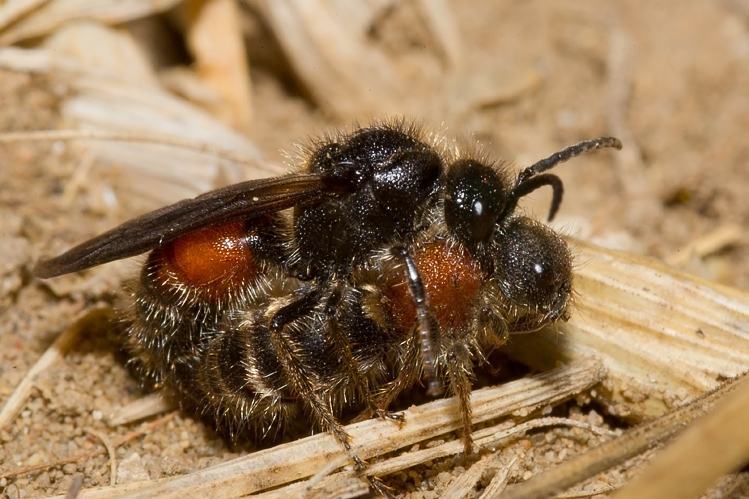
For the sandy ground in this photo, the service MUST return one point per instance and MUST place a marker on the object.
(682, 67)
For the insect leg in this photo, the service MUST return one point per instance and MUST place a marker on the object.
(296, 309)
(459, 367)
(380, 487)
(300, 379)
(343, 346)
(425, 320)
(407, 374)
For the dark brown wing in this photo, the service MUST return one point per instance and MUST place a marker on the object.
(154, 229)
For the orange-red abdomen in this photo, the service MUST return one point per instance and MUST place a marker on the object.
(451, 282)
(211, 263)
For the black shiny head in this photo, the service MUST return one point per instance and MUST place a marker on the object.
(477, 203)
(534, 268)
(475, 197)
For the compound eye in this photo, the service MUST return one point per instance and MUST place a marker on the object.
(475, 199)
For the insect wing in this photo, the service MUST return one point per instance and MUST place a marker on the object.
(154, 229)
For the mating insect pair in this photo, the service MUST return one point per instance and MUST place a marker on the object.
(401, 261)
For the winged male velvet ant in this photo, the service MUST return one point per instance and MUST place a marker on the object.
(399, 260)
